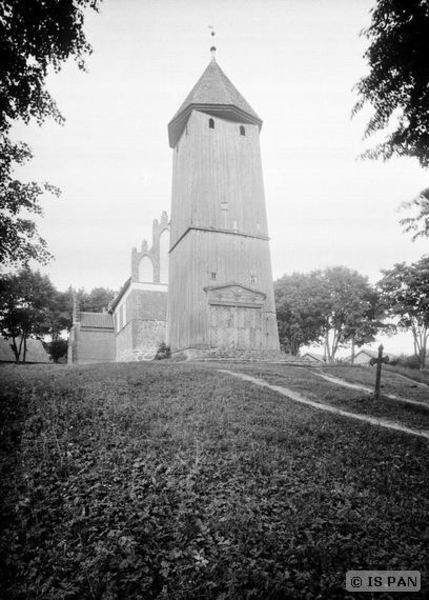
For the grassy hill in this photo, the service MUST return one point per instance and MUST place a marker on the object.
(169, 480)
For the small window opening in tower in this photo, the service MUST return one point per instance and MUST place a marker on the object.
(224, 205)
(252, 279)
(213, 275)
(242, 130)
(211, 124)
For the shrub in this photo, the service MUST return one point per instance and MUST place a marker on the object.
(58, 350)
(163, 351)
(411, 362)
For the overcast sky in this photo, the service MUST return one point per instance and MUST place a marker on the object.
(295, 62)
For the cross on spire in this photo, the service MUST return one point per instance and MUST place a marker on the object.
(213, 48)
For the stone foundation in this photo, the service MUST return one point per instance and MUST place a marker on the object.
(141, 342)
(238, 355)
(138, 354)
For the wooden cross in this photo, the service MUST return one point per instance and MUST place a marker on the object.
(379, 362)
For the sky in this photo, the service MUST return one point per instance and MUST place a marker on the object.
(295, 62)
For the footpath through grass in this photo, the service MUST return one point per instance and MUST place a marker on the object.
(165, 480)
(308, 382)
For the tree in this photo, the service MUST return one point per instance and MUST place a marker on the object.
(34, 36)
(397, 86)
(336, 305)
(405, 293)
(97, 300)
(58, 350)
(412, 224)
(25, 302)
(59, 318)
(353, 313)
(300, 307)
(20, 240)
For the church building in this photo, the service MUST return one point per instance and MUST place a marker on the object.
(140, 308)
(220, 287)
(213, 257)
(134, 325)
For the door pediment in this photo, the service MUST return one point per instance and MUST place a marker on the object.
(234, 294)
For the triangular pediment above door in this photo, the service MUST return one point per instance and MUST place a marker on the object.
(234, 294)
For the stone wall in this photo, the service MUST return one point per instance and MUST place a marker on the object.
(93, 346)
(146, 336)
(124, 342)
(149, 334)
(147, 304)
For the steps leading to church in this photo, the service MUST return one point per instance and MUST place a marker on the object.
(239, 356)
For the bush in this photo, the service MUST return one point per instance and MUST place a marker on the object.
(410, 362)
(58, 350)
(163, 351)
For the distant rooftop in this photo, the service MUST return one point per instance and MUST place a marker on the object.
(35, 351)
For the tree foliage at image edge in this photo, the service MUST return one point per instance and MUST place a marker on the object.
(34, 36)
(397, 86)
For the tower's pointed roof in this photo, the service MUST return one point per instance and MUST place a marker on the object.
(214, 94)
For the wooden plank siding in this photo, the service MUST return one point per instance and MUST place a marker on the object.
(234, 259)
(218, 229)
(214, 167)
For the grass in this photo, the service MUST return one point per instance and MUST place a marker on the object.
(165, 480)
(421, 376)
(393, 381)
(307, 382)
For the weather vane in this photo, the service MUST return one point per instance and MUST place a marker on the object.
(213, 48)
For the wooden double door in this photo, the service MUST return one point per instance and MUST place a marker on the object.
(239, 327)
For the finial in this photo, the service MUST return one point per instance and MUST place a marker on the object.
(213, 48)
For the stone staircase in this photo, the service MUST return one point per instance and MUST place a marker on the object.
(233, 355)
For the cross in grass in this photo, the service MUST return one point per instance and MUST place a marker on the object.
(379, 362)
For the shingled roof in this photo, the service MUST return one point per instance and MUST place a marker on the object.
(35, 351)
(96, 320)
(6, 352)
(213, 93)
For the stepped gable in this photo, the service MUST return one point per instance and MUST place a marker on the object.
(214, 94)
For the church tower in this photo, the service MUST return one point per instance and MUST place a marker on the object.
(220, 292)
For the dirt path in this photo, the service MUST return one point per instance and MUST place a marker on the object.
(413, 381)
(296, 397)
(365, 388)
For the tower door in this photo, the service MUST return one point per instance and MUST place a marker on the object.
(235, 327)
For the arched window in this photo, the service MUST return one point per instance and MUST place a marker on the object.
(242, 130)
(211, 123)
(146, 270)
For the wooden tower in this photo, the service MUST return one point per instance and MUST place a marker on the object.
(220, 292)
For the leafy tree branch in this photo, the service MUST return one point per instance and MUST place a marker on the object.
(405, 293)
(397, 86)
(34, 36)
